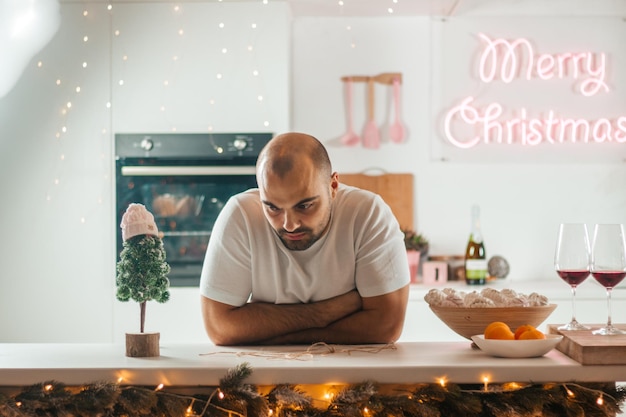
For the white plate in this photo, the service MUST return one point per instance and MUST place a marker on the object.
(517, 348)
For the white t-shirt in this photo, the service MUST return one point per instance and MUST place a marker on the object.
(363, 248)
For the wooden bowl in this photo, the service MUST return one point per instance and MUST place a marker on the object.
(468, 322)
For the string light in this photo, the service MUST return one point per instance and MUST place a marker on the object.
(189, 410)
(159, 387)
(442, 381)
(486, 382)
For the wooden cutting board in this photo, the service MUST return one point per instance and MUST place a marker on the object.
(395, 189)
(589, 349)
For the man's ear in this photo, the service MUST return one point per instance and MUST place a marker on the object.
(334, 184)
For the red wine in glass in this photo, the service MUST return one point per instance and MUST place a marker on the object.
(573, 278)
(609, 279)
(572, 258)
(608, 265)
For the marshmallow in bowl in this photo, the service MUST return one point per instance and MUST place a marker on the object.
(535, 299)
(488, 297)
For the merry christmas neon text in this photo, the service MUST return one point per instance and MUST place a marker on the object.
(467, 124)
(528, 130)
(512, 59)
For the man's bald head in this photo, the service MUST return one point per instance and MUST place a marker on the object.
(289, 151)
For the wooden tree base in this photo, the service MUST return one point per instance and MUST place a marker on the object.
(142, 345)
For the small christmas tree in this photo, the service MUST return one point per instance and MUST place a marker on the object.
(142, 270)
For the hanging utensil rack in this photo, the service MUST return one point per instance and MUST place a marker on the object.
(383, 78)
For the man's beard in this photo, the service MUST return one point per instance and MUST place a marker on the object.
(301, 244)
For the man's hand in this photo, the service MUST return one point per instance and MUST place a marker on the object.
(254, 323)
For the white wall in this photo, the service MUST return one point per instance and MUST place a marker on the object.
(56, 163)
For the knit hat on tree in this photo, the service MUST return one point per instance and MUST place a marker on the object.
(138, 221)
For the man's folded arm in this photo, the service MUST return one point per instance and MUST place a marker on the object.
(254, 323)
(381, 320)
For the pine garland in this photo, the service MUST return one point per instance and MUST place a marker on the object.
(235, 398)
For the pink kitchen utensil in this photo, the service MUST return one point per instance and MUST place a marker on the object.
(350, 138)
(396, 129)
(371, 135)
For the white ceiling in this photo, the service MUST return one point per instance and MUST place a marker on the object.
(427, 7)
(456, 7)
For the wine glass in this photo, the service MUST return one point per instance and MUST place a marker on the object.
(608, 265)
(571, 262)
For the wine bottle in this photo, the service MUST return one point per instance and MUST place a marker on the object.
(475, 257)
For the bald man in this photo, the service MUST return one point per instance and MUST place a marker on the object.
(303, 258)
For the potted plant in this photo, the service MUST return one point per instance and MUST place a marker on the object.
(141, 274)
(416, 246)
(415, 241)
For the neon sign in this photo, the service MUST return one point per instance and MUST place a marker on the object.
(528, 130)
(508, 57)
(507, 60)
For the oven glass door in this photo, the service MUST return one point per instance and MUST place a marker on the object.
(185, 201)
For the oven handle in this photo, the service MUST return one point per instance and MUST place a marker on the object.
(187, 170)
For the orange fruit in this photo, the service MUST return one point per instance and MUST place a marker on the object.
(499, 330)
(532, 334)
(521, 329)
(493, 325)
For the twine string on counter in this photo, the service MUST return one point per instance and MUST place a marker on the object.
(316, 349)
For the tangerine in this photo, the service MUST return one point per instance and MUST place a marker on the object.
(521, 329)
(499, 330)
(532, 334)
(493, 325)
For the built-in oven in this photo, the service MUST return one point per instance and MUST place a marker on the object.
(184, 181)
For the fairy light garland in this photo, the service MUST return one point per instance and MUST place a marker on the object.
(234, 398)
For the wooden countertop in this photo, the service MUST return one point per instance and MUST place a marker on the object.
(204, 364)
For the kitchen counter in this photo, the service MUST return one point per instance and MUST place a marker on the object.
(204, 365)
